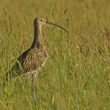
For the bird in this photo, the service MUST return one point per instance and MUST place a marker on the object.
(33, 59)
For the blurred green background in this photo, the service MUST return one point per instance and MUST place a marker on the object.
(77, 73)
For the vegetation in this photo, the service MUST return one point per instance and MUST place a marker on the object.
(77, 73)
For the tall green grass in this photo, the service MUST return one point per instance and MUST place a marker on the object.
(77, 73)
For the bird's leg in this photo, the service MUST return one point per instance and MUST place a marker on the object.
(33, 86)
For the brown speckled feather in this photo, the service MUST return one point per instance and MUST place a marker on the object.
(30, 61)
(34, 60)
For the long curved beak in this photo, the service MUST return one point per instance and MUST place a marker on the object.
(57, 26)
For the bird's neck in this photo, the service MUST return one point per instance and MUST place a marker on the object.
(37, 36)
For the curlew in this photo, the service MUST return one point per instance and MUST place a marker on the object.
(32, 60)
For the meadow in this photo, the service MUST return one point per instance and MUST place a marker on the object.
(76, 75)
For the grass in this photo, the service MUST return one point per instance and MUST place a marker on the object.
(77, 74)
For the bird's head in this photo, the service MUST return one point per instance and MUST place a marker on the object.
(42, 21)
(39, 22)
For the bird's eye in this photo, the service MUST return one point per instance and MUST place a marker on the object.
(42, 20)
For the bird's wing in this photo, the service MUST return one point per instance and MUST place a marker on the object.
(22, 57)
(34, 59)
(17, 67)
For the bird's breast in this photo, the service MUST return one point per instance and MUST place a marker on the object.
(34, 60)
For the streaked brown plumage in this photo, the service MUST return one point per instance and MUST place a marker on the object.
(35, 59)
(31, 61)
